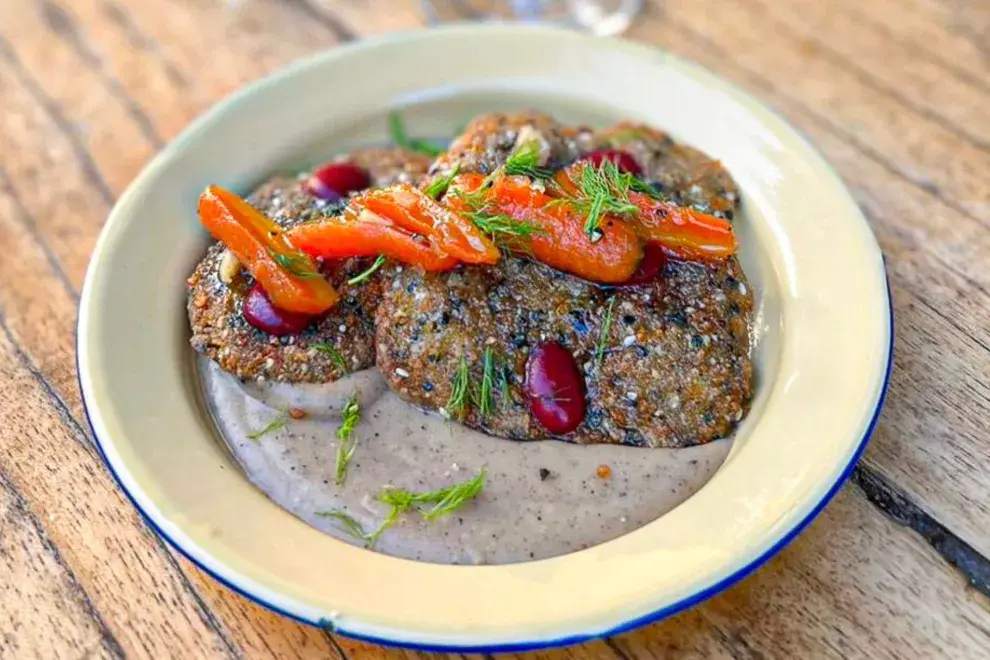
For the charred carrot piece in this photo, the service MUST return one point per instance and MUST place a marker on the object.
(682, 231)
(289, 277)
(416, 212)
(362, 232)
(559, 239)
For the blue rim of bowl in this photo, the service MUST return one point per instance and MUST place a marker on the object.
(652, 617)
(529, 645)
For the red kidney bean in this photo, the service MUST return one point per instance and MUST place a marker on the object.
(555, 388)
(259, 311)
(654, 260)
(335, 180)
(623, 159)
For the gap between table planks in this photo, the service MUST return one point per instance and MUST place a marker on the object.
(89, 91)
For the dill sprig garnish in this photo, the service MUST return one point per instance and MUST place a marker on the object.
(275, 424)
(296, 263)
(606, 328)
(350, 526)
(397, 129)
(350, 416)
(460, 393)
(329, 349)
(503, 228)
(439, 185)
(486, 400)
(449, 499)
(362, 276)
(602, 190)
(444, 501)
(524, 161)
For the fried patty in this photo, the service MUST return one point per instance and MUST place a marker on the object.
(488, 140)
(339, 343)
(674, 366)
(687, 176)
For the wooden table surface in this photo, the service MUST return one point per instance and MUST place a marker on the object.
(895, 93)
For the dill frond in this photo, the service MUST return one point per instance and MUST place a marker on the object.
(362, 276)
(460, 393)
(350, 416)
(275, 424)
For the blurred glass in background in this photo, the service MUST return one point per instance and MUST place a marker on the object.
(601, 17)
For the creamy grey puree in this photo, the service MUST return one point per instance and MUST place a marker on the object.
(540, 499)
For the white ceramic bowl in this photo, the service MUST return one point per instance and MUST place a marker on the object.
(822, 363)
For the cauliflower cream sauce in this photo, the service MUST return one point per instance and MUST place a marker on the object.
(541, 498)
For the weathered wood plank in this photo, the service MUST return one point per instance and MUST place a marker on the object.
(40, 153)
(43, 611)
(364, 19)
(45, 47)
(156, 49)
(926, 86)
(131, 581)
(953, 33)
(44, 323)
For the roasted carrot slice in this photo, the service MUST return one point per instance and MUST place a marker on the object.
(682, 231)
(361, 233)
(557, 235)
(416, 212)
(289, 277)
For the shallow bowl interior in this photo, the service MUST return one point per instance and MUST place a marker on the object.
(822, 360)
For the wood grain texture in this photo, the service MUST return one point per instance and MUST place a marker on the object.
(53, 616)
(892, 92)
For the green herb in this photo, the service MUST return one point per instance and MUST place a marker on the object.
(460, 393)
(398, 130)
(400, 501)
(444, 500)
(447, 500)
(440, 185)
(361, 277)
(328, 349)
(486, 400)
(606, 328)
(296, 263)
(348, 524)
(602, 190)
(524, 161)
(503, 228)
(350, 416)
(389, 520)
(278, 422)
